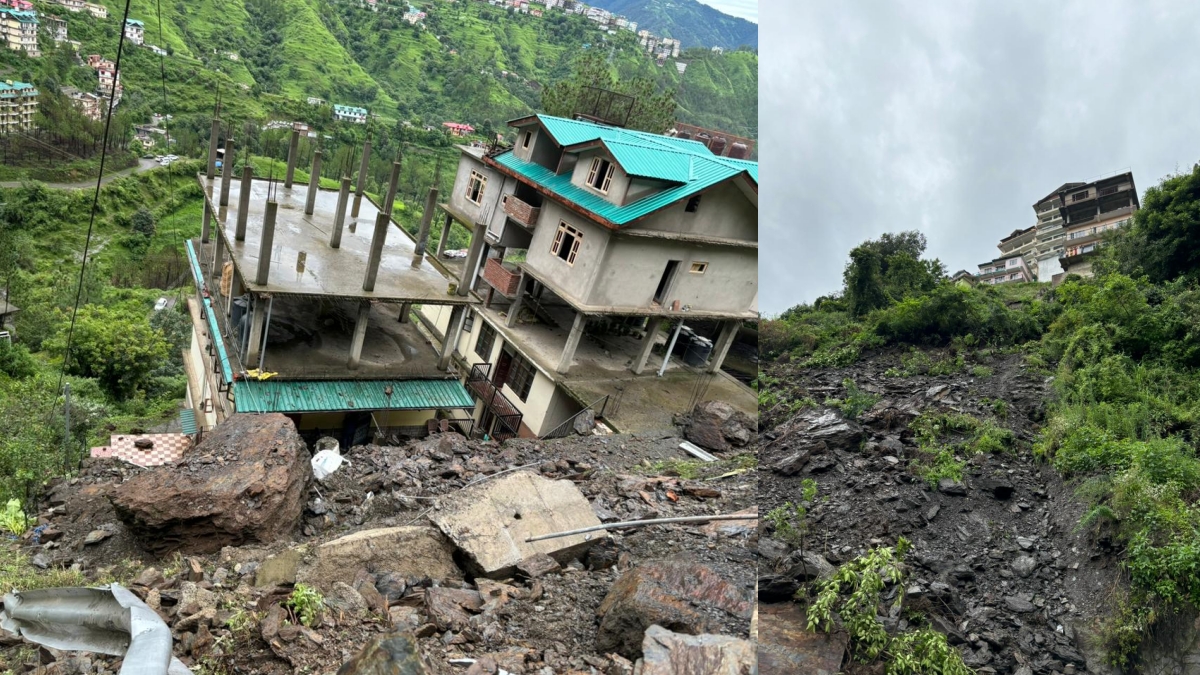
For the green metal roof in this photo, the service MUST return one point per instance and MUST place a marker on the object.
(187, 420)
(135, 22)
(688, 163)
(301, 396)
(214, 331)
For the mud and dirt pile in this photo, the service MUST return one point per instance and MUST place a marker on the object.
(997, 564)
(415, 556)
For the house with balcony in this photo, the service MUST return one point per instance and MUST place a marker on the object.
(19, 29)
(1091, 211)
(135, 31)
(304, 307)
(349, 113)
(615, 270)
(18, 105)
(1004, 270)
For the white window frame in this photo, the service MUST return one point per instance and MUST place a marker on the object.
(475, 175)
(699, 267)
(608, 175)
(564, 228)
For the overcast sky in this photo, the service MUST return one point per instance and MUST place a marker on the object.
(747, 9)
(953, 118)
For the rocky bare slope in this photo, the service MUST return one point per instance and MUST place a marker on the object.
(998, 562)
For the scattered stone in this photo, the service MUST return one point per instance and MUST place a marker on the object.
(1019, 605)
(413, 551)
(684, 595)
(96, 536)
(151, 578)
(537, 565)
(194, 570)
(392, 654)
(787, 647)
(451, 608)
(1024, 566)
(585, 422)
(353, 599)
(255, 493)
(718, 426)
(490, 522)
(949, 486)
(668, 653)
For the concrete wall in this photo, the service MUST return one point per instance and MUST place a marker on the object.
(458, 196)
(575, 280)
(542, 149)
(635, 265)
(724, 211)
(620, 180)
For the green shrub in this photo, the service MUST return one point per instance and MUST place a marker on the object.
(306, 603)
(12, 519)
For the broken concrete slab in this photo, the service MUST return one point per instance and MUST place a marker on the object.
(668, 653)
(412, 551)
(490, 522)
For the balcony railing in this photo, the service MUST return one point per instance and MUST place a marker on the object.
(521, 211)
(507, 416)
(501, 278)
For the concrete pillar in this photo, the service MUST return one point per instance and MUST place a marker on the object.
(568, 353)
(235, 291)
(426, 222)
(729, 331)
(266, 244)
(514, 309)
(405, 310)
(257, 321)
(452, 333)
(314, 184)
(360, 335)
(293, 157)
(226, 172)
(393, 184)
(362, 178)
(651, 337)
(472, 261)
(382, 222)
(244, 202)
(218, 251)
(212, 148)
(339, 216)
(206, 224)
(445, 236)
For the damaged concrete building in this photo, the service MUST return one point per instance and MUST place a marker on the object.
(303, 308)
(591, 245)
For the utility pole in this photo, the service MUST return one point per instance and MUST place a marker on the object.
(67, 437)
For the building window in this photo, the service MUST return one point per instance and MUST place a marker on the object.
(1079, 196)
(699, 267)
(468, 321)
(692, 204)
(483, 343)
(566, 243)
(528, 138)
(520, 377)
(600, 176)
(476, 186)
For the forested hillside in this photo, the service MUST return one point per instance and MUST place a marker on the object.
(692, 22)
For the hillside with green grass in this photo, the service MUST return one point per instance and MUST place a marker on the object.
(693, 23)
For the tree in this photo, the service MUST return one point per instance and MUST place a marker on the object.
(863, 279)
(116, 347)
(1164, 242)
(652, 110)
(142, 222)
(887, 270)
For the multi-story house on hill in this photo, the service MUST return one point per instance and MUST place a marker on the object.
(19, 29)
(1005, 269)
(588, 241)
(135, 31)
(1088, 212)
(18, 104)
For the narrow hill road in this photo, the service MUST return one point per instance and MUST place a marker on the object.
(143, 165)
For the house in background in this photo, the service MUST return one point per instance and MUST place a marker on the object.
(135, 31)
(593, 248)
(458, 128)
(349, 113)
(1091, 210)
(18, 105)
(1003, 270)
(19, 29)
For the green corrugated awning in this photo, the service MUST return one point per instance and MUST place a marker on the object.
(306, 396)
(187, 420)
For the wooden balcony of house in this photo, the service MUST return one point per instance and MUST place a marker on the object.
(521, 211)
(501, 277)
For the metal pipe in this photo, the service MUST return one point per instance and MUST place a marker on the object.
(639, 523)
(108, 619)
(670, 348)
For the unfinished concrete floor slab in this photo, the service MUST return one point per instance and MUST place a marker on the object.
(302, 261)
(491, 521)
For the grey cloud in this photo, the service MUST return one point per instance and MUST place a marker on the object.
(953, 118)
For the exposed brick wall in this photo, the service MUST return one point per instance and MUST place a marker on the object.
(520, 211)
(500, 278)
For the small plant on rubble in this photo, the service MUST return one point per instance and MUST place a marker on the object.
(790, 520)
(305, 602)
(13, 519)
(853, 594)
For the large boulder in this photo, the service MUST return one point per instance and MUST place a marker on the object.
(718, 426)
(667, 653)
(786, 646)
(490, 522)
(411, 551)
(392, 654)
(686, 597)
(816, 430)
(246, 482)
